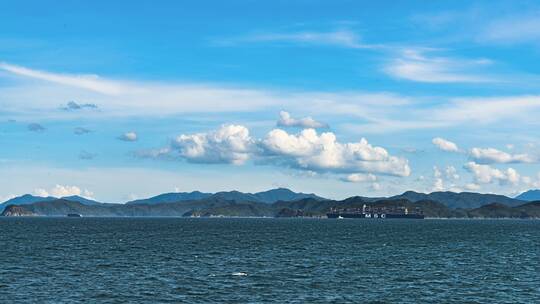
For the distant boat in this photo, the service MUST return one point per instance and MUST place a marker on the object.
(74, 215)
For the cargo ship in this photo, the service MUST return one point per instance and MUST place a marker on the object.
(367, 212)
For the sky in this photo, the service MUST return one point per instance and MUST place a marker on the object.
(123, 100)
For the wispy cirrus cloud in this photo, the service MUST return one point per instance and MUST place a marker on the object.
(513, 29)
(459, 112)
(473, 111)
(415, 65)
(486, 110)
(338, 38)
(372, 112)
(123, 98)
(90, 82)
(495, 25)
(25, 97)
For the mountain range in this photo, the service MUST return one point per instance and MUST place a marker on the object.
(30, 199)
(268, 197)
(308, 207)
(531, 195)
(465, 200)
(171, 198)
(276, 202)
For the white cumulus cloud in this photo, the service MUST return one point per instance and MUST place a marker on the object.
(485, 174)
(445, 180)
(451, 173)
(128, 136)
(472, 187)
(491, 155)
(438, 183)
(61, 191)
(229, 144)
(306, 151)
(360, 178)
(376, 186)
(285, 120)
(531, 182)
(311, 151)
(445, 145)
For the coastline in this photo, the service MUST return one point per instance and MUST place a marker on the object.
(268, 218)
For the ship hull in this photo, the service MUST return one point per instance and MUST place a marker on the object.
(375, 216)
(345, 215)
(405, 216)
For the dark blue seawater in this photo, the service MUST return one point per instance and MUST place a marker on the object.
(173, 260)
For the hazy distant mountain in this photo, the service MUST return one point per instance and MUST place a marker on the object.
(62, 207)
(531, 209)
(270, 196)
(311, 207)
(283, 194)
(466, 200)
(236, 196)
(24, 200)
(30, 199)
(80, 199)
(495, 210)
(531, 195)
(172, 197)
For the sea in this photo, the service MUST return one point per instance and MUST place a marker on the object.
(263, 260)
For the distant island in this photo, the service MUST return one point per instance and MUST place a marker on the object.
(279, 202)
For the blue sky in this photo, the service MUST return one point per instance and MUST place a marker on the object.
(116, 101)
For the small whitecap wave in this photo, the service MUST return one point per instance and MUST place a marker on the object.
(239, 274)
